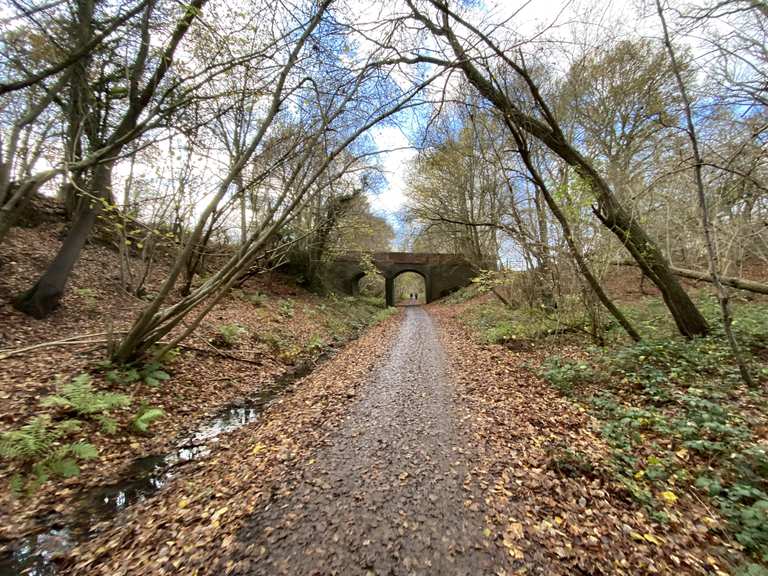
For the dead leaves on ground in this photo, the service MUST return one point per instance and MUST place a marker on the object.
(202, 382)
(190, 526)
(551, 502)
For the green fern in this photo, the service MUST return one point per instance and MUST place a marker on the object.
(62, 466)
(34, 439)
(108, 424)
(69, 426)
(37, 450)
(84, 450)
(146, 417)
(153, 374)
(123, 375)
(79, 396)
(17, 484)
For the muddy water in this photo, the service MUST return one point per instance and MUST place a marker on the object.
(36, 554)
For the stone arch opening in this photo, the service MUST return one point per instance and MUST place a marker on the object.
(410, 287)
(369, 285)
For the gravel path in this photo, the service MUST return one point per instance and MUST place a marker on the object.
(387, 495)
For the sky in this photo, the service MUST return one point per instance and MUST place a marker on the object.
(394, 165)
(533, 15)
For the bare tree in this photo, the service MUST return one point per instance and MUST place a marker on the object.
(712, 254)
(545, 128)
(340, 116)
(42, 298)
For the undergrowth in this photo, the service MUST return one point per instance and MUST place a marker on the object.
(51, 445)
(345, 316)
(496, 323)
(674, 412)
(229, 335)
(463, 294)
(679, 420)
(340, 318)
(39, 452)
(45, 446)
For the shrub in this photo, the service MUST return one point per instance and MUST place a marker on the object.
(286, 309)
(372, 301)
(229, 335)
(500, 333)
(255, 298)
(565, 374)
(672, 412)
(570, 463)
(463, 294)
(382, 315)
(151, 374)
(88, 295)
(316, 342)
(145, 417)
(290, 353)
(276, 341)
(122, 376)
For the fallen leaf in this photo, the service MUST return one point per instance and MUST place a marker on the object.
(653, 539)
(668, 497)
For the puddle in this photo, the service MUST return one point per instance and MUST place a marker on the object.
(36, 555)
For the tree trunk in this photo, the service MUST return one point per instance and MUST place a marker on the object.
(17, 196)
(44, 297)
(578, 257)
(78, 109)
(545, 266)
(646, 253)
(689, 320)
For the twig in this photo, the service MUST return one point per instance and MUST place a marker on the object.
(72, 340)
(83, 339)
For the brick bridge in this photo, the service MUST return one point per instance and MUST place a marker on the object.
(442, 273)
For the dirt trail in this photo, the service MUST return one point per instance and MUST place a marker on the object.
(388, 495)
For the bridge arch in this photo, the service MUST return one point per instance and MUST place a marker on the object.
(420, 273)
(442, 273)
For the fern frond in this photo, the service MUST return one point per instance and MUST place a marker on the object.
(68, 426)
(39, 476)
(34, 445)
(108, 424)
(79, 395)
(144, 419)
(30, 442)
(84, 450)
(64, 467)
(55, 401)
(17, 484)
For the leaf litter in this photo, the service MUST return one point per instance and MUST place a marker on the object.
(550, 499)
